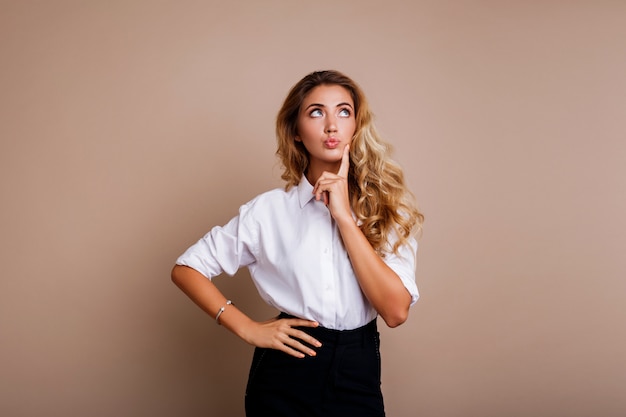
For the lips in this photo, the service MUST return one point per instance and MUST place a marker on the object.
(331, 143)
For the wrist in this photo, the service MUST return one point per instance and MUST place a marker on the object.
(345, 221)
(245, 330)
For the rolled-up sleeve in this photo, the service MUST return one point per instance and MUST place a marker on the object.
(223, 249)
(403, 264)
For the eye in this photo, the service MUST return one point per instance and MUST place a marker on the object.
(316, 113)
(345, 112)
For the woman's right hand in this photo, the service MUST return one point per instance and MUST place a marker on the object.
(282, 334)
(277, 333)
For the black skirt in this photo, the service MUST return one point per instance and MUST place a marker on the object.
(343, 379)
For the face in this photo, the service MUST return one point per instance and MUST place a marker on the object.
(326, 124)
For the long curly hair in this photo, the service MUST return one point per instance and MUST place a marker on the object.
(378, 195)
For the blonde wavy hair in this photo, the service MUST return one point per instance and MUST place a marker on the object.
(378, 194)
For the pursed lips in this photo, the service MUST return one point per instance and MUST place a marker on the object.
(331, 143)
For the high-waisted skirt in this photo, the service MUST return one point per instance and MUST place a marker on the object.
(343, 379)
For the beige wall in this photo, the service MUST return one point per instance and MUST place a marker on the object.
(128, 128)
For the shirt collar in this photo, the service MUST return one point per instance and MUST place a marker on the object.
(305, 191)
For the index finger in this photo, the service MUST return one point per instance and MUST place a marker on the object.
(345, 163)
(301, 323)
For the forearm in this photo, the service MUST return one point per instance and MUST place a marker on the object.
(210, 299)
(274, 333)
(380, 284)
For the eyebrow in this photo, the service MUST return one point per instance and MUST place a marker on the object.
(321, 105)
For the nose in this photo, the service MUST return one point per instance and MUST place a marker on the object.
(331, 124)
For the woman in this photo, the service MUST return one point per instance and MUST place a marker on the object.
(332, 250)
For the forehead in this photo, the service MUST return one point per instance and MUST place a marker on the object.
(328, 95)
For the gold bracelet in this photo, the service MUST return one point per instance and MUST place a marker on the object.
(219, 313)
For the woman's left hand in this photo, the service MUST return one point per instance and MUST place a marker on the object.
(333, 188)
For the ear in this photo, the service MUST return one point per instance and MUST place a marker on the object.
(297, 139)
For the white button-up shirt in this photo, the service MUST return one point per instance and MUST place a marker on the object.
(296, 258)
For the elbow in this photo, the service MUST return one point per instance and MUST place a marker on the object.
(396, 318)
(396, 312)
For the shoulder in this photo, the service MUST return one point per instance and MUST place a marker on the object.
(273, 196)
(268, 202)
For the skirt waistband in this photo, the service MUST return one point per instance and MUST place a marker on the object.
(340, 337)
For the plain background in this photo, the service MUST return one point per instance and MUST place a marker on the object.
(129, 128)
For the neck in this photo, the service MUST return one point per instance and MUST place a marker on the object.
(314, 171)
